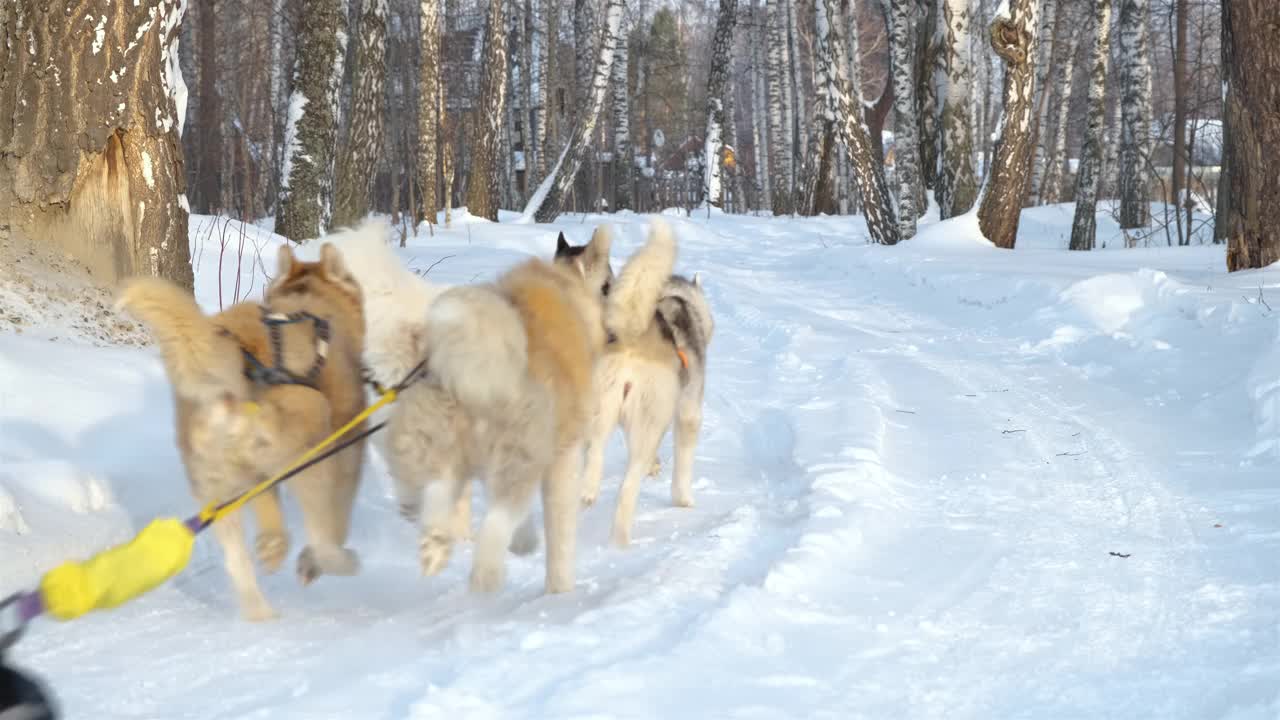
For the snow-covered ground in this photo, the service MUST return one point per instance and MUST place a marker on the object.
(935, 480)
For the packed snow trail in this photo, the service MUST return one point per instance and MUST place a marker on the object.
(914, 467)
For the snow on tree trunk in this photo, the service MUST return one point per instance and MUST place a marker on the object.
(355, 166)
(429, 107)
(717, 84)
(1013, 36)
(840, 104)
(1251, 66)
(958, 188)
(759, 109)
(781, 129)
(482, 189)
(1135, 114)
(1055, 142)
(311, 129)
(623, 158)
(906, 148)
(1084, 227)
(546, 202)
(91, 111)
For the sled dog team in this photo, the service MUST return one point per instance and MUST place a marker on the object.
(522, 382)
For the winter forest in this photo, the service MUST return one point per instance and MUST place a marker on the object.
(640, 359)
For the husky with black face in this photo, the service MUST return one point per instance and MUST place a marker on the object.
(653, 371)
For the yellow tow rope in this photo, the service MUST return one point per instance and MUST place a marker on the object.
(155, 555)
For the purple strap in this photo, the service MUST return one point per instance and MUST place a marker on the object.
(30, 606)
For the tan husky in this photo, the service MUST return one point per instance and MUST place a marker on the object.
(254, 387)
(506, 398)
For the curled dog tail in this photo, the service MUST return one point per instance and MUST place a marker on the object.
(202, 364)
(476, 347)
(634, 297)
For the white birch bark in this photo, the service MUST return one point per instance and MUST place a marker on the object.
(781, 124)
(1084, 226)
(958, 186)
(759, 120)
(839, 105)
(1135, 113)
(906, 148)
(623, 163)
(1052, 182)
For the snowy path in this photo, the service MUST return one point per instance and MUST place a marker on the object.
(900, 513)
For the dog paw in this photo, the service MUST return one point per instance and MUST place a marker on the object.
(460, 527)
(411, 512)
(486, 578)
(588, 498)
(271, 549)
(525, 539)
(433, 552)
(656, 468)
(559, 583)
(257, 610)
(620, 537)
(682, 498)
(308, 568)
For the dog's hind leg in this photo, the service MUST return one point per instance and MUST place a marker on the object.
(560, 516)
(644, 433)
(272, 543)
(230, 533)
(688, 425)
(515, 472)
(440, 499)
(603, 422)
(326, 518)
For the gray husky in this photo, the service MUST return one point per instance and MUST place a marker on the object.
(653, 370)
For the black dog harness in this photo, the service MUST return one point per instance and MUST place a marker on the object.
(277, 373)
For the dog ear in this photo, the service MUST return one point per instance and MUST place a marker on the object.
(601, 242)
(697, 279)
(562, 246)
(284, 261)
(331, 261)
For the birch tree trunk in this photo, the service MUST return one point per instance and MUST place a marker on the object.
(717, 83)
(759, 119)
(546, 202)
(781, 128)
(548, 11)
(1084, 227)
(509, 194)
(355, 166)
(91, 135)
(1048, 48)
(906, 144)
(1135, 114)
(482, 188)
(586, 39)
(623, 162)
(306, 202)
(429, 105)
(528, 71)
(1013, 36)
(1180, 113)
(958, 188)
(798, 104)
(930, 74)
(1251, 64)
(840, 105)
(1051, 183)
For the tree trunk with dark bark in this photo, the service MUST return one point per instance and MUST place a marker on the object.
(1251, 65)
(1180, 108)
(91, 120)
(1013, 36)
(355, 166)
(482, 188)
